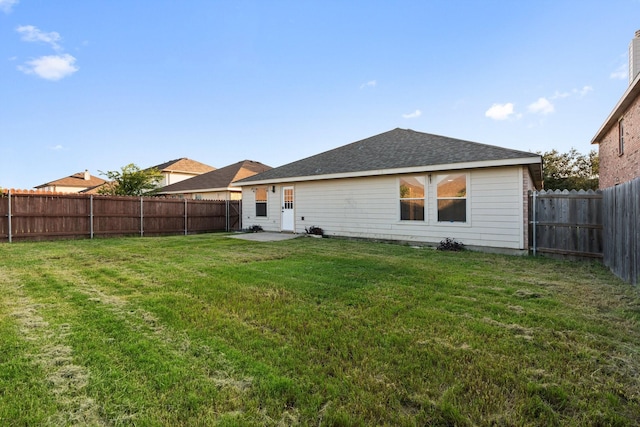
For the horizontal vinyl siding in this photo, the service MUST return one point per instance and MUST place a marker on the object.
(347, 207)
(369, 207)
(269, 223)
(497, 208)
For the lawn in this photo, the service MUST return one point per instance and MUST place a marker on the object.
(207, 330)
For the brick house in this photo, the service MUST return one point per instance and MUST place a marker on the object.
(618, 138)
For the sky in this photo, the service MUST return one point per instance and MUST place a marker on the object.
(96, 85)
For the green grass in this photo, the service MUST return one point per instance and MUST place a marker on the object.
(206, 330)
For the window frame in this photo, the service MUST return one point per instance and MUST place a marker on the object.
(621, 136)
(421, 180)
(262, 213)
(465, 198)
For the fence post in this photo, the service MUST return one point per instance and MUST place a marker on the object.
(186, 229)
(534, 222)
(91, 216)
(9, 216)
(226, 216)
(141, 217)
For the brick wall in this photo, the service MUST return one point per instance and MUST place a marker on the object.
(615, 168)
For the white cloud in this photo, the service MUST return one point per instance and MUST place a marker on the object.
(370, 83)
(500, 111)
(620, 73)
(6, 5)
(33, 34)
(561, 95)
(413, 115)
(57, 148)
(52, 67)
(584, 91)
(541, 106)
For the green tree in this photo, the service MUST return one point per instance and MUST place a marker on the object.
(571, 170)
(130, 180)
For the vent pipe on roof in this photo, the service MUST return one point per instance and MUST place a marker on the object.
(634, 57)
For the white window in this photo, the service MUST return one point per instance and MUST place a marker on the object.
(261, 201)
(621, 137)
(452, 197)
(412, 196)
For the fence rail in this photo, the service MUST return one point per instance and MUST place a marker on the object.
(567, 223)
(45, 216)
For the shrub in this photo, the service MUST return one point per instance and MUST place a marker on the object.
(314, 230)
(450, 244)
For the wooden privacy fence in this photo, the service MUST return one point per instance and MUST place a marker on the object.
(42, 216)
(622, 230)
(566, 223)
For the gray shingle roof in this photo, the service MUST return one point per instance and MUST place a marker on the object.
(395, 149)
(218, 178)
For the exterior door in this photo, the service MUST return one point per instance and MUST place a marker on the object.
(287, 209)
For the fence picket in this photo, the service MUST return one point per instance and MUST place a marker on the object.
(26, 215)
(621, 225)
(567, 223)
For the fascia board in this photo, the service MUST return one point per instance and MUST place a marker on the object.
(398, 171)
(625, 101)
(199, 190)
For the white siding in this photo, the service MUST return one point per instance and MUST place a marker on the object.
(269, 223)
(215, 195)
(169, 178)
(369, 207)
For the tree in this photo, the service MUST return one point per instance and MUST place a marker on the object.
(571, 170)
(130, 180)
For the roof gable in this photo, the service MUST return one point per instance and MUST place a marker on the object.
(630, 95)
(76, 180)
(218, 178)
(184, 165)
(395, 150)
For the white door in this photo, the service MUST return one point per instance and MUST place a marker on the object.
(287, 209)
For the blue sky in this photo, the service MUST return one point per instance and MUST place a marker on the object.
(99, 84)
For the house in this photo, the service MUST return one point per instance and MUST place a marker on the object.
(72, 184)
(618, 138)
(401, 185)
(216, 185)
(180, 169)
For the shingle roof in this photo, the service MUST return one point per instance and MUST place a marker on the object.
(219, 178)
(75, 180)
(396, 149)
(184, 165)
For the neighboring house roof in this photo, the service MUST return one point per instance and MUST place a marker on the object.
(630, 95)
(217, 179)
(96, 189)
(184, 165)
(78, 180)
(399, 151)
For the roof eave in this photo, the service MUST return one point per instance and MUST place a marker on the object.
(199, 190)
(395, 171)
(625, 101)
